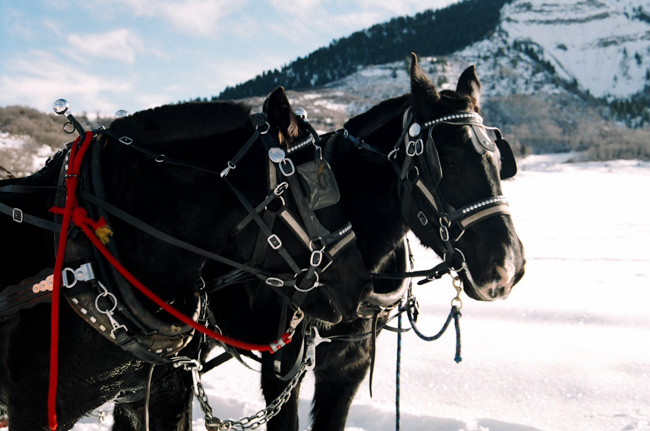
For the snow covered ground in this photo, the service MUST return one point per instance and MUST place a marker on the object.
(568, 351)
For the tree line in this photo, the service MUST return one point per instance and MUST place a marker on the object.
(429, 33)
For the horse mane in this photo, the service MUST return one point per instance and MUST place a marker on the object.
(183, 121)
(366, 123)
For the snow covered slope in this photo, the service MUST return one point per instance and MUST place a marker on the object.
(604, 45)
(598, 46)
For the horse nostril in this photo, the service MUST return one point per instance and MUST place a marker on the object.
(500, 275)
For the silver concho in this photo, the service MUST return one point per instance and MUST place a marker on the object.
(415, 130)
(276, 154)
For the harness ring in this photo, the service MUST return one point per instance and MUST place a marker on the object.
(315, 285)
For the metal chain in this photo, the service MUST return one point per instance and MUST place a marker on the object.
(265, 415)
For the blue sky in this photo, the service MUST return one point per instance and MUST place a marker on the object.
(105, 55)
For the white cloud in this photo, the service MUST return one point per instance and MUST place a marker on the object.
(42, 78)
(197, 17)
(313, 20)
(121, 44)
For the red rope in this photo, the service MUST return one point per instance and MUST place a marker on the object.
(78, 216)
(72, 180)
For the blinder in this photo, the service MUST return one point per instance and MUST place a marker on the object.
(484, 139)
(508, 163)
(318, 184)
(489, 139)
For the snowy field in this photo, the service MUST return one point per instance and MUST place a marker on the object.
(568, 351)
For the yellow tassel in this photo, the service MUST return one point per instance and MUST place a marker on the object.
(103, 233)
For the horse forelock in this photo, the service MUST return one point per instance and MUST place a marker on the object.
(183, 121)
(451, 102)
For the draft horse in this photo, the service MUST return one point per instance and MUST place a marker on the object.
(173, 183)
(425, 162)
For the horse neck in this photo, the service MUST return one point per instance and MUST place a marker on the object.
(160, 196)
(368, 185)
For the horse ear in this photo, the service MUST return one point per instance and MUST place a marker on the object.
(422, 88)
(469, 85)
(280, 115)
(423, 91)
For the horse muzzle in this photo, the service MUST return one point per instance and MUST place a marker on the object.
(495, 283)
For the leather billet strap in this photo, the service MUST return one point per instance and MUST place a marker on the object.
(26, 294)
(151, 347)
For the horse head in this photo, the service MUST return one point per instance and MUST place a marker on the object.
(342, 277)
(462, 163)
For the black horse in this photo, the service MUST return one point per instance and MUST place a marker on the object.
(423, 161)
(161, 178)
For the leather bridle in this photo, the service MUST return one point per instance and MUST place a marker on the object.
(423, 205)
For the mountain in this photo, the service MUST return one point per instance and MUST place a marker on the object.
(427, 33)
(599, 49)
(557, 76)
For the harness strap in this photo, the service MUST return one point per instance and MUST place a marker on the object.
(249, 217)
(473, 213)
(272, 239)
(259, 253)
(256, 120)
(19, 216)
(295, 226)
(151, 155)
(117, 212)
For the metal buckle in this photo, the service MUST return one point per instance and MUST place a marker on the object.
(316, 258)
(281, 188)
(423, 218)
(126, 140)
(444, 233)
(274, 281)
(17, 215)
(274, 241)
(292, 168)
(83, 273)
(228, 169)
(266, 130)
(415, 148)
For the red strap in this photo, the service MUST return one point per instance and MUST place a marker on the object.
(78, 216)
